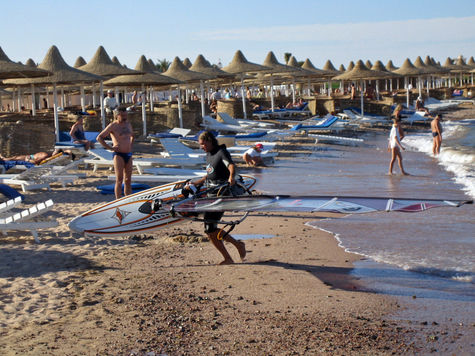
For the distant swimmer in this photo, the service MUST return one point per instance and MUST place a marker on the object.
(395, 146)
(436, 129)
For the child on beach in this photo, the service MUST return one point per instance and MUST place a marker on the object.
(252, 156)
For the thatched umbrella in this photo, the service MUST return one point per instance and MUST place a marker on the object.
(10, 69)
(407, 70)
(303, 72)
(115, 60)
(361, 72)
(80, 61)
(178, 70)
(201, 65)
(390, 66)
(187, 63)
(351, 65)
(280, 69)
(368, 63)
(30, 63)
(240, 65)
(149, 78)
(379, 67)
(101, 64)
(62, 73)
(332, 71)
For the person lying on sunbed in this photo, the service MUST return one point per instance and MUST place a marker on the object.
(38, 157)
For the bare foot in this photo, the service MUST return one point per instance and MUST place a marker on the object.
(241, 247)
(390, 173)
(405, 174)
(226, 262)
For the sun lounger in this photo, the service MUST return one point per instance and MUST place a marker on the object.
(21, 221)
(66, 142)
(327, 124)
(173, 133)
(6, 165)
(211, 124)
(247, 124)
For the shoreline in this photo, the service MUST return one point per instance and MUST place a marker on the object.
(294, 293)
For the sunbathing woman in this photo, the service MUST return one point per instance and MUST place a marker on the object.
(36, 158)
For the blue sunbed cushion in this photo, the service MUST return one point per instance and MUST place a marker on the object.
(11, 164)
(9, 192)
(109, 188)
(65, 138)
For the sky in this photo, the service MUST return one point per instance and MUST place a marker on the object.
(339, 30)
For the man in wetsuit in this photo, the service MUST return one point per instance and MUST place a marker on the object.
(122, 135)
(220, 169)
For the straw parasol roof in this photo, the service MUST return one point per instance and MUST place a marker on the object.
(390, 66)
(368, 63)
(430, 63)
(418, 63)
(187, 62)
(102, 65)
(152, 64)
(79, 62)
(115, 60)
(10, 69)
(361, 72)
(275, 67)
(62, 73)
(308, 65)
(342, 68)
(330, 68)
(379, 66)
(351, 65)
(303, 72)
(201, 65)
(30, 63)
(178, 70)
(150, 77)
(408, 69)
(239, 64)
(471, 62)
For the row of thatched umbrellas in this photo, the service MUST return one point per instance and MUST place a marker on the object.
(53, 70)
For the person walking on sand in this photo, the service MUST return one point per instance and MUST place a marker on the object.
(395, 146)
(220, 169)
(436, 129)
(122, 135)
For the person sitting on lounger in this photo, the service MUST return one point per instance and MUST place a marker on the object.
(420, 105)
(36, 158)
(299, 104)
(252, 156)
(77, 134)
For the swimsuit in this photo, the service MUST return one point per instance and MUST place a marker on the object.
(79, 135)
(435, 134)
(125, 156)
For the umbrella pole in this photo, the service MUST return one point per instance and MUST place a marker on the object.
(55, 112)
(33, 100)
(293, 90)
(103, 114)
(93, 96)
(406, 84)
(362, 98)
(243, 96)
(19, 99)
(151, 100)
(83, 99)
(202, 95)
(272, 105)
(180, 113)
(144, 113)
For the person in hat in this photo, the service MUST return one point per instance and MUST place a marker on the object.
(436, 129)
(420, 105)
(220, 169)
(252, 156)
(122, 135)
(110, 104)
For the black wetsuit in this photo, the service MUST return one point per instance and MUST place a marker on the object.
(217, 171)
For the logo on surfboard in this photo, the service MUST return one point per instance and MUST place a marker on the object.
(120, 215)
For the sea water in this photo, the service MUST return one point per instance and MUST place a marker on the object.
(426, 257)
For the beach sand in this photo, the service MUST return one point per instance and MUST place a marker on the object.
(164, 293)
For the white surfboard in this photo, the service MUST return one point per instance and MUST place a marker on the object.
(122, 217)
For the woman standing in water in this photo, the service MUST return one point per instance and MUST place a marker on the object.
(394, 145)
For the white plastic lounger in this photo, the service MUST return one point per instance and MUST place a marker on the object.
(248, 124)
(212, 124)
(20, 221)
